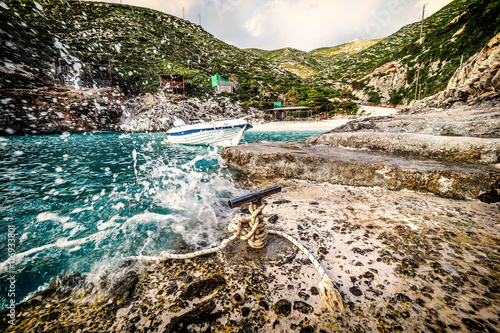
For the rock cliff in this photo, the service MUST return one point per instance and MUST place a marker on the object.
(54, 111)
(478, 80)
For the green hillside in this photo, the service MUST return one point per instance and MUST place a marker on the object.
(306, 64)
(461, 27)
(295, 61)
(130, 45)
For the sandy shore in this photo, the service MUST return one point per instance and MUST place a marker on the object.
(322, 125)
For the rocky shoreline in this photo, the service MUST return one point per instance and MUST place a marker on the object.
(56, 110)
(402, 261)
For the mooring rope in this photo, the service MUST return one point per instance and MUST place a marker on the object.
(254, 232)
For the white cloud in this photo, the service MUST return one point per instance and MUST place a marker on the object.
(302, 24)
(254, 25)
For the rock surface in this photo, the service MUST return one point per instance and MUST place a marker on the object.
(403, 261)
(320, 163)
(54, 111)
(465, 134)
(476, 81)
(57, 110)
(157, 113)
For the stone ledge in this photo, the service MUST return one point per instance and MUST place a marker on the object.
(260, 161)
(454, 148)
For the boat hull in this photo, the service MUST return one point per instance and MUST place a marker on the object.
(225, 133)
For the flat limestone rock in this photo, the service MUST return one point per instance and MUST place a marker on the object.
(269, 160)
(454, 148)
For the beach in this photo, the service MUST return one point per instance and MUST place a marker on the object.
(321, 125)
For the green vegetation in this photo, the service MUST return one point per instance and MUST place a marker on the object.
(460, 28)
(130, 46)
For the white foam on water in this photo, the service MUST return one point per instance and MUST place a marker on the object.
(59, 181)
(189, 191)
(64, 135)
(50, 216)
(79, 210)
(26, 257)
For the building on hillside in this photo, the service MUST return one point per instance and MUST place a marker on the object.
(221, 84)
(172, 84)
(290, 112)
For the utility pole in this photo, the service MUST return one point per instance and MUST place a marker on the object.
(183, 13)
(421, 31)
(199, 15)
(422, 23)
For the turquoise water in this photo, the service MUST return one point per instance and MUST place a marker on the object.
(85, 202)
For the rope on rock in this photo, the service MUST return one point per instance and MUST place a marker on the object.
(254, 232)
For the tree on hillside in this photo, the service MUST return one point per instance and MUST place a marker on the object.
(293, 96)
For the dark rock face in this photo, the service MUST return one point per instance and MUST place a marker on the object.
(359, 168)
(283, 308)
(302, 307)
(490, 197)
(123, 289)
(50, 111)
(355, 291)
(202, 288)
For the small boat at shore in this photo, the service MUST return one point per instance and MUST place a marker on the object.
(217, 133)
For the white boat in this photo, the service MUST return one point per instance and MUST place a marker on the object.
(217, 133)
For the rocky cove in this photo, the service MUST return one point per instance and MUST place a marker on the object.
(402, 211)
(402, 261)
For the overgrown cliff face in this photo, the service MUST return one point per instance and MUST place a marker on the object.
(456, 32)
(478, 80)
(129, 46)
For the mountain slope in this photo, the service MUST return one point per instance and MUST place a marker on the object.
(295, 61)
(350, 48)
(390, 67)
(306, 64)
(129, 45)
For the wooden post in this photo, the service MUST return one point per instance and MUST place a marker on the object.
(416, 86)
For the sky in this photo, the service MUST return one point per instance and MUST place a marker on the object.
(301, 24)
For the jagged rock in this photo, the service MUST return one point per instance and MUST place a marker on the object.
(157, 113)
(479, 75)
(51, 111)
(123, 289)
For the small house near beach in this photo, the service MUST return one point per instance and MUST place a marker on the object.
(290, 112)
(222, 84)
(172, 84)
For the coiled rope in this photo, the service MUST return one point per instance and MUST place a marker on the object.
(254, 232)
